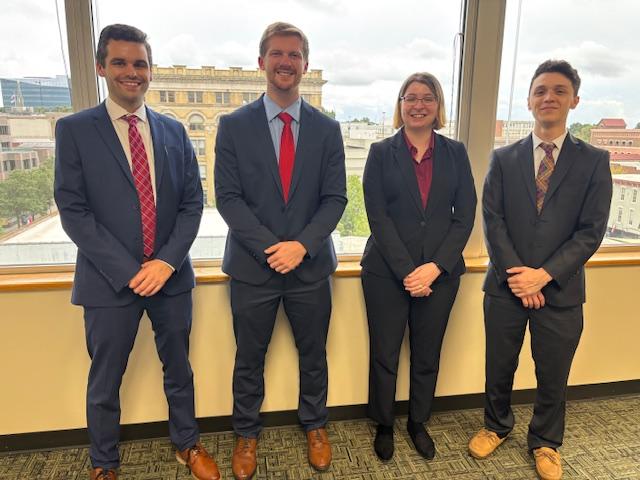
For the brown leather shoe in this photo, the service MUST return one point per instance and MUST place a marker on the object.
(319, 449)
(548, 463)
(102, 474)
(243, 462)
(199, 462)
(483, 443)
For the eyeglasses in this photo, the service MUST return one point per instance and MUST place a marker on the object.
(413, 99)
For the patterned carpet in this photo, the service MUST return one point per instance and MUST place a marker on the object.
(602, 442)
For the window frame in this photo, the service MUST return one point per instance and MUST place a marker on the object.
(482, 30)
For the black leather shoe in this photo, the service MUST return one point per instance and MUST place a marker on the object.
(421, 440)
(383, 443)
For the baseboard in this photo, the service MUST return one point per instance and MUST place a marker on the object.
(140, 431)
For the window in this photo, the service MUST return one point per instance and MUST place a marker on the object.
(631, 216)
(203, 171)
(167, 96)
(196, 123)
(199, 146)
(194, 97)
(635, 195)
(619, 215)
(609, 100)
(4, 129)
(223, 97)
(248, 97)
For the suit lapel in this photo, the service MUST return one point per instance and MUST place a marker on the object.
(305, 138)
(441, 160)
(263, 140)
(110, 137)
(160, 155)
(405, 164)
(568, 154)
(524, 157)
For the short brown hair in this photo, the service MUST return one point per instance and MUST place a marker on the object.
(434, 85)
(558, 66)
(282, 28)
(118, 31)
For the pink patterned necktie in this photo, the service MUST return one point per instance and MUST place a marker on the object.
(287, 154)
(544, 173)
(142, 179)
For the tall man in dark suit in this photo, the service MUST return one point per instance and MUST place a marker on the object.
(280, 186)
(545, 206)
(129, 195)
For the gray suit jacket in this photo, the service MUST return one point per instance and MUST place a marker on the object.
(567, 232)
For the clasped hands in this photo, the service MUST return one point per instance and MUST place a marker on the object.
(284, 257)
(418, 283)
(526, 283)
(150, 278)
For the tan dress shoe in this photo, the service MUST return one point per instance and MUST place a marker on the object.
(319, 449)
(548, 463)
(483, 443)
(243, 462)
(199, 462)
(102, 474)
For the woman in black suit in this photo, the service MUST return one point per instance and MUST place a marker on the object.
(421, 201)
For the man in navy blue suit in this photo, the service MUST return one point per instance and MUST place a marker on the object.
(281, 188)
(129, 196)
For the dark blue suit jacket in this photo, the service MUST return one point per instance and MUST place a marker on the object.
(565, 234)
(404, 235)
(100, 210)
(249, 192)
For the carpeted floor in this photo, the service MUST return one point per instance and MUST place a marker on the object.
(602, 442)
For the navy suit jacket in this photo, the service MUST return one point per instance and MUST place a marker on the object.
(404, 235)
(569, 228)
(100, 211)
(249, 193)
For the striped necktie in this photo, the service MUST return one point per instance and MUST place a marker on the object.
(544, 174)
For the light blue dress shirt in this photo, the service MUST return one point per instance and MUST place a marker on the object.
(275, 124)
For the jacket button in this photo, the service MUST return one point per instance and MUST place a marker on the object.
(422, 224)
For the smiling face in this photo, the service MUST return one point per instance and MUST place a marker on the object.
(419, 108)
(550, 98)
(127, 73)
(284, 64)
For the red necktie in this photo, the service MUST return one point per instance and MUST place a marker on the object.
(544, 173)
(287, 154)
(142, 179)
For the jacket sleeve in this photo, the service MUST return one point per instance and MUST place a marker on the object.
(464, 213)
(591, 226)
(230, 201)
(384, 232)
(99, 245)
(187, 221)
(333, 198)
(502, 252)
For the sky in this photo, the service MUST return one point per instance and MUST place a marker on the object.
(365, 48)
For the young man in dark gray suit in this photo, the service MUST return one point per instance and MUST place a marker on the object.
(281, 188)
(545, 207)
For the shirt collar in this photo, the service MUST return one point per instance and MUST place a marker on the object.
(273, 109)
(556, 141)
(413, 150)
(115, 111)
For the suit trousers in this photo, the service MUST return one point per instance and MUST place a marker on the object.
(555, 333)
(254, 308)
(110, 335)
(389, 309)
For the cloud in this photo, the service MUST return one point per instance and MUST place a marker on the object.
(596, 59)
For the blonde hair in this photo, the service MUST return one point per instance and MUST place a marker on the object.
(283, 28)
(434, 85)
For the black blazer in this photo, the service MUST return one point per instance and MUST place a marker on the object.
(567, 232)
(249, 192)
(403, 234)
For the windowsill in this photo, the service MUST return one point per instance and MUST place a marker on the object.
(41, 281)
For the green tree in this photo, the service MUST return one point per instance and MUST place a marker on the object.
(581, 130)
(27, 192)
(330, 113)
(638, 125)
(354, 220)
